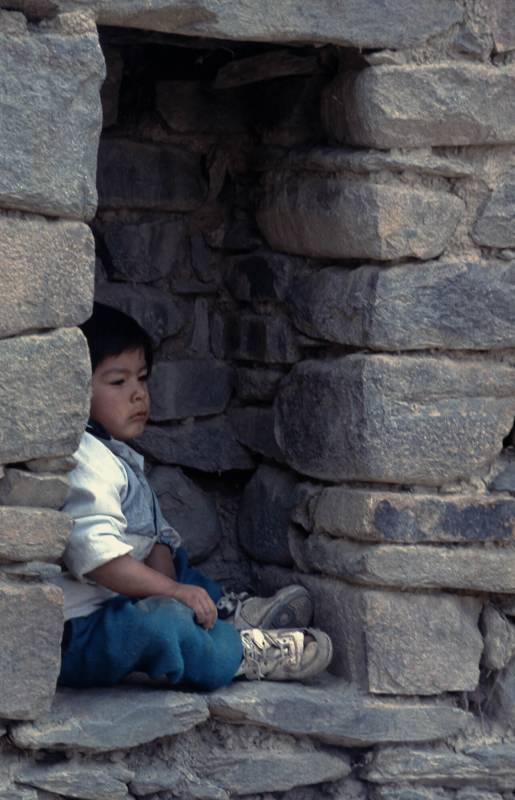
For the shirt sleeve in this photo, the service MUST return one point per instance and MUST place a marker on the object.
(97, 485)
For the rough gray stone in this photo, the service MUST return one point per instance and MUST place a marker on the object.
(110, 719)
(46, 273)
(24, 488)
(155, 311)
(495, 223)
(262, 276)
(189, 388)
(28, 534)
(254, 427)
(263, 67)
(503, 25)
(39, 570)
(111, 87)
(31, 622)
(259, 337)
(335, 712)
(84, 781)
(264, 515)
(389, 642)
(501, 704)
(208, 445)
(48, 75)
(145, 251)
(397, 24)
(407, 566)
(190, 510)
(400, 419)
(415, 105)
(499, 637)
(455, 305)
(414, 792)
(326, 216)
(486, 766)
(194, 107)
(44, 399)
(51, 465)
(502, 475)
(259, 385)
(372, 515)
(155, 778)
(134, 175)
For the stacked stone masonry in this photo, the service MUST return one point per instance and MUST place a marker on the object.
(312, 212)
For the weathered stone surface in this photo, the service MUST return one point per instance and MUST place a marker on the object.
(407, 566)
(501, 705)
(32, 533)
(111, 719)
(406, 791)
(371, 515)
(193, 107)
(258, 337)
(397, 24)
(391, 642)
(155, 311)
(145, 251)
(134, 175)
(495, 223)
(31, 622)
(254, 427)
(43, 394)
(46, 274)
(264, 515)
(400, 419)
(24, 488)
(503, 25)
(486, 766)
(263, 67)
(502, 475)
(455, 305)
(499, 637)
(189, 388)
(51, 465)
(32, 569)
(85, 781)
(257, 384)
(416, 105)
(262, 276)
(111, 87)
(208, 445)
(336, 712)
(156, 777)
(47, 75)
(350, 217)
(190, 510)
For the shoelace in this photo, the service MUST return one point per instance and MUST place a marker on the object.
(263, 652)
(230, 603)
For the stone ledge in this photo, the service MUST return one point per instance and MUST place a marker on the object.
(329, 710)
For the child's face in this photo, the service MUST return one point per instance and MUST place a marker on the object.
(119, 399)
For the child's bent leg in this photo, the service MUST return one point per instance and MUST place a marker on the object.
(156, 635)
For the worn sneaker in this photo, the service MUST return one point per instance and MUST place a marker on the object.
(290, 607)
(284, 655)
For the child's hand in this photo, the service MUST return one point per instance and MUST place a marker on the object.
(198, 599)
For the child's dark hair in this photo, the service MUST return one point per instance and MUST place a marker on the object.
(110, 332)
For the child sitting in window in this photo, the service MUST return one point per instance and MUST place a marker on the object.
(132, 602)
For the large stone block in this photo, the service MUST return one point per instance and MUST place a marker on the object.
(476, 569)
(21, 487)
(397, 23)
(50, 102)
(190, 510)
(495, 224)
(46, 274)
(327, 216)
(44, 398)
(380, 516)
(394, 419)
(189, 388)
(31, 623)
(254, 427)
(455, 305)
(415, 105)
(156, 311)
(257, 385)
(209, 445)
(264, 515)
(28, 534)
(503, 25)
(134, 175)
(488, 765)
(110, 719)
(257, 337)
(84, 781)
(336, 712)
(502, 701)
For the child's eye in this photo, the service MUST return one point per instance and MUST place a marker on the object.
(119, 382)
(144, 378)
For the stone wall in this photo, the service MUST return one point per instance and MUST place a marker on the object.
(313, 216)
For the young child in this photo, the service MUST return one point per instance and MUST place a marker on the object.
(132, 602)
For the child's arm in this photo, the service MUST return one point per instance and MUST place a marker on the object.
(161, 560)
(128, 576)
